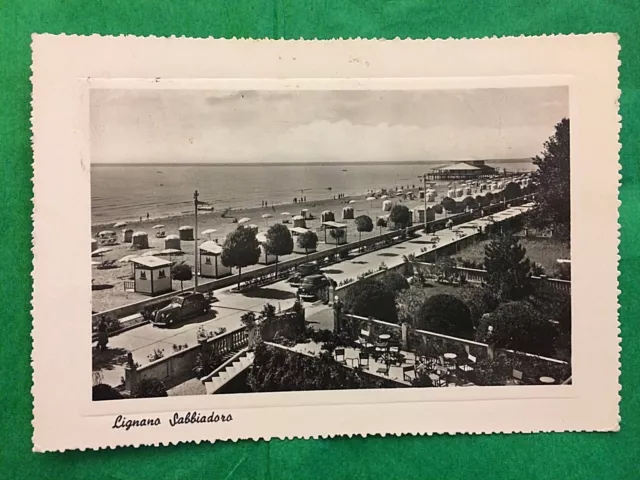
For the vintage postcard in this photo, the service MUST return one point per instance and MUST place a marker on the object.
(273, 239)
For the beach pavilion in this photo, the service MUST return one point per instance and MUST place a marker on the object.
(211, 262)
(265, 257)
(335, 239)
(462, 171)
(152, 275)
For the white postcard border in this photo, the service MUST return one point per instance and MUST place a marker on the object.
(66, 67)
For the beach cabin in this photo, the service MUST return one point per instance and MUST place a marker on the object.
(304, 213)
(451, 193)
(172, 241)
(337, 233)
(386, 206)
(467, 190)
(152, 275)
(418, 214)
(265, 257)
(421, 194)
(299, 222)
(185, 233)
(347, 213)
(211, 261)
(327, 216)
(94, 244)
(140, 240)
(127, 233)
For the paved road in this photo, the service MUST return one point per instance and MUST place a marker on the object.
(226, 313)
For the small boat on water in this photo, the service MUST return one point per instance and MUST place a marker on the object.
(344, 169)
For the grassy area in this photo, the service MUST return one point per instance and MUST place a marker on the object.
(545, 251)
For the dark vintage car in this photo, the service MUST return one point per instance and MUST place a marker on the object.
(182, 307)
(313, 287)
(303, 270)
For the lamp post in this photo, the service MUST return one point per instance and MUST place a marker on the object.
(195, 205)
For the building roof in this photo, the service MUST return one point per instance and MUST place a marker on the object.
(462, 166)
(186, 227)
(334, 224)
(151, 262)
(299, 230)
(211, 247)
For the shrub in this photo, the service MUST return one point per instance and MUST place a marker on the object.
(508, 268)
(409, 303)
(102, 391)
(150, 388)
(446, 314)
(371, 298)
(518, 326)
(449, 204)
(479, 300)
(206, 362)
(400, 216)
(157, 354)
(395, 281)
(438, 209)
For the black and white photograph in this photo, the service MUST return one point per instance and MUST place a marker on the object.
(270, 241)
(310, 239)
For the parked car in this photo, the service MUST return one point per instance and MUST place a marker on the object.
(303, 270)
(312, 286)
(182, 307)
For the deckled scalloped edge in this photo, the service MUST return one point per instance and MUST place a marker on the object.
(413, 432)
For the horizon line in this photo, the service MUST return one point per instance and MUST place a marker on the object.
(298, 164)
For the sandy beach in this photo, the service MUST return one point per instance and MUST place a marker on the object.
(110, 292)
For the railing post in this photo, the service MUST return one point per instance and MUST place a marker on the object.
(130, 374)
(337, 315)
(405, 336)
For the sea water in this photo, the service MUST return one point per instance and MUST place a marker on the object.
(129, 192)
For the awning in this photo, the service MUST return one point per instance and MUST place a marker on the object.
(334, 225)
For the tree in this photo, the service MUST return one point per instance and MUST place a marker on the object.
(518, 326)
(337, 234)
(279, 242)
(371, 298)
(489, 196)
(308, 240)
(150, 388)
(482, 200)
(479, 300)
(511, 190)
(446, 314)
(241, 249)
(508, 268)
(395, 281)
(181, 272)
(206, 361)
(552, 179)
(470, 203)
(400, 216)
(363, 224)
(438, 209)
(449, 204)
(381, 223)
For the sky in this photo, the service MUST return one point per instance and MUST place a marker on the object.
(213, 126)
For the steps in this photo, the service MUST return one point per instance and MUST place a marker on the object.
(234, 365)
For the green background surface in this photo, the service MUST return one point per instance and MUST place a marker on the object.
(542, 456)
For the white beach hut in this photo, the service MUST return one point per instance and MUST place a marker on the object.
(459, 192)
(210, 261)
(327, 216)
(127, 233)
(299, 221)
(140, 240)
(265, 257)
(172, 241)
(185, 232)
(386, 206)
(451, 193)
(152, 275)
(304, 213)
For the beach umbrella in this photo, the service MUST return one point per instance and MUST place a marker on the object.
(106, 233)
(158, 226)
(127, 259)
(208, 232)
(267, 216)
(253, 225)
(100, 251)
(352, 201)
(244, 220)
(285, 213)
(150, 253)
(93, 262)
(120, 224)
(371, 199)
(384, 197)
(170, 252)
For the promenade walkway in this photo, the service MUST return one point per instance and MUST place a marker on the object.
(143, 340)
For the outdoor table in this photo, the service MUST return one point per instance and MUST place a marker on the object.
(384, 337)
(450, 356)
(547, 380)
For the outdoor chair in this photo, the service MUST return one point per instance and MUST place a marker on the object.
(339, 354)
(406, 370)
(437, 380)
(363, 358)
(468, 365)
